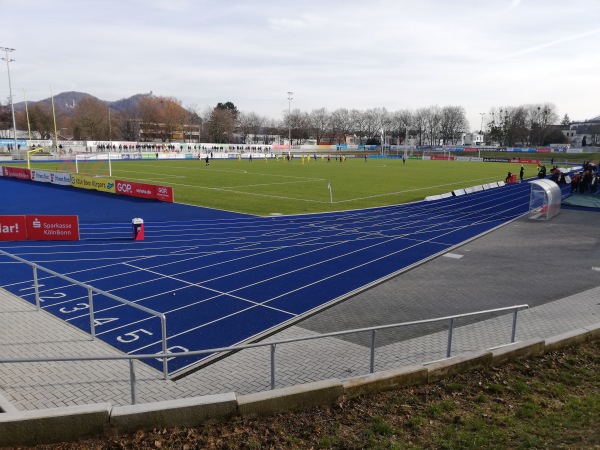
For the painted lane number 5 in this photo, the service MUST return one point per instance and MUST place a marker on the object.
(133, 336)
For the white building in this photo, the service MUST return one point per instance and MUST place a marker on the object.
(472, 139)
(588, 131)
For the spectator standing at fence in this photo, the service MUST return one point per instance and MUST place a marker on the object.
(521, 173)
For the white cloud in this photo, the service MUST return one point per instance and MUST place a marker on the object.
(352, 54)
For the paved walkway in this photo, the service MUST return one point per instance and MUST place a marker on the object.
(472, 278)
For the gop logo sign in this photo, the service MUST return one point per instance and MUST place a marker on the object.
(165, 194)
(133, 189)
(123, 187)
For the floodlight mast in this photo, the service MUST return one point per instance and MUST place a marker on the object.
(481, 128)
(290, 98)
(12, 106)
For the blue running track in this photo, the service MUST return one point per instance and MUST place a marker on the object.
(225, 278)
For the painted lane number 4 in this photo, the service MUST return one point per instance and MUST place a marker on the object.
(133, 336)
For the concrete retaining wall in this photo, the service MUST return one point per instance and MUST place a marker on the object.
(302, 396)
(457, 364)
(53, 425)
(384, 381)
(188, 412)
(574, 337)
(77, 422)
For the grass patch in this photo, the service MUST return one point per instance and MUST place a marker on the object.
(263, 188)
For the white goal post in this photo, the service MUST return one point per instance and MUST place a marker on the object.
(85, 157)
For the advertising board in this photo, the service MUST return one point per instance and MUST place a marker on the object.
(13, 228)
(135, 189)
(52, 228)
(98, 183)
(165, 194)
(16, 172)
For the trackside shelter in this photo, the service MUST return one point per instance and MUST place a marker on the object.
(545, 199)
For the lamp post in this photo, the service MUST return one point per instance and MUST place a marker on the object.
(12, 107)
(109, 131)
(501, 124)
(290, 122)
(544, 123)
(481, 128)
(543, 118)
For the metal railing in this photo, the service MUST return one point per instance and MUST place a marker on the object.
(272, 345)
(90, 291)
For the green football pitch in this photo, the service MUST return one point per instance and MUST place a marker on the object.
(265, 187)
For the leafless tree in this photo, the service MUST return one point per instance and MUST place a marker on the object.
(271, 128)
(150, 118)
(41, 120)
(298, 123)
(385, 121)
(359, 124)
(420, 124)
(516, 126)
(130, 124)
(521, 125)
(251, 123)
(220, 126)
(453, 123)
(91, 119)
(340, 125)
(433, 120)
(194, 121)
(548, 116)
(174, 118)
(5, 115)
(319, 123)
(372, 125)
(244, 125)
(401, 122)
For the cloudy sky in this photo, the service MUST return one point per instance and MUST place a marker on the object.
(331, 53)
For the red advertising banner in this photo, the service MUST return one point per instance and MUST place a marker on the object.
(524, 161)
(135, 189)
(13, 228)
(16, 172)
(544, 150)
(52, 228)
(165, 194)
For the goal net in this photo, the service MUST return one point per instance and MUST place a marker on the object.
(96, 165)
